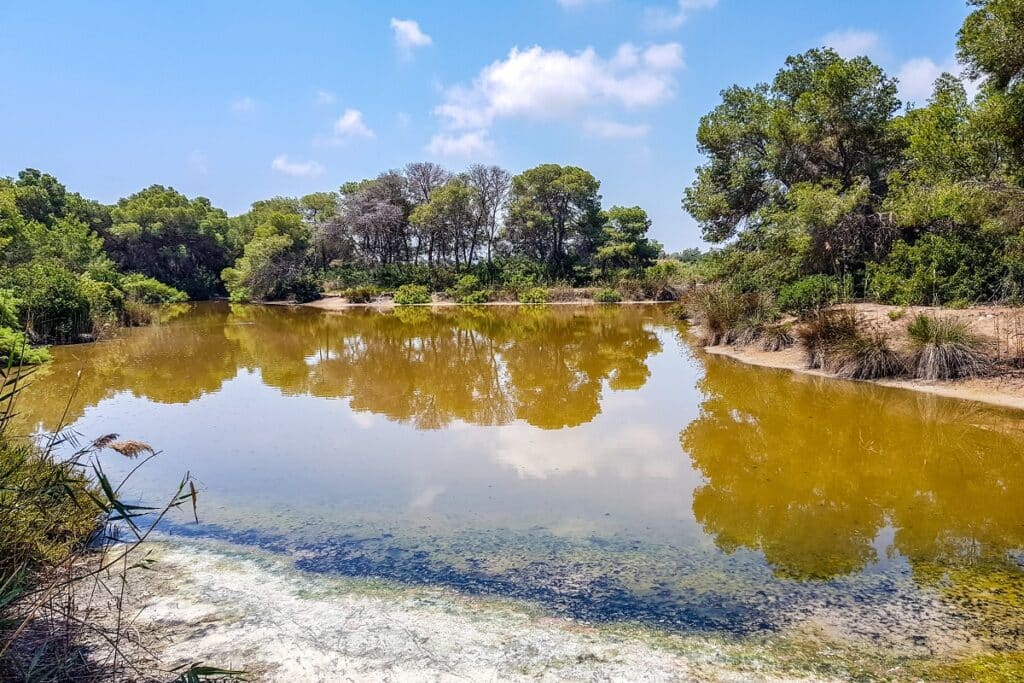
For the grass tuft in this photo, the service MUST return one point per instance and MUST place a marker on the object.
(945, 349)
(824, 333)
(867, 357)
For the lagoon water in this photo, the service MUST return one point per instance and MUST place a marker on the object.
(586, 461)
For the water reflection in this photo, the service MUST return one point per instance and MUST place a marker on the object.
(811, 471)
(488, 366)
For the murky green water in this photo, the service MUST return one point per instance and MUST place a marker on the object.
(584, 459)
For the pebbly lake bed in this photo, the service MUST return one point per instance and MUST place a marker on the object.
(554, 492)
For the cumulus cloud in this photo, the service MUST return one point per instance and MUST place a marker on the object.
(243, 105)
(351, 125)
(324, 98)
(853, 43)
(549, 84)
(469, 144)
(917, 78)
(614, 130)
(297, 169)
(665, 19)
(409, 36)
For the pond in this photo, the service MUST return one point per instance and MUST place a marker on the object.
(585, 460)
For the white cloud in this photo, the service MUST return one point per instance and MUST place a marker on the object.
(917, 78)
(297, 169)
(549, 84)
(197, 162)
(408, 35)
(351, 125)
(324, 97)
(243, 105)
(853, 43)
(470, 144)
(664, 19)
(613, 130)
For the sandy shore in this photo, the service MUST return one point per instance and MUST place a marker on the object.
(331, 302)
(1002, 326)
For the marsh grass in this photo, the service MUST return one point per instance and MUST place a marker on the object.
(727, 316)
(945, 349)
(67, 542)
(777, 337)
(824, 333)
(867, 356)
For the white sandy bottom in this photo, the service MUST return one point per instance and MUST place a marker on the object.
(241, 609)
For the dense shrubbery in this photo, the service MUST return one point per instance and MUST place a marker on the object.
(607, 296)
(411, 295)
(534, 295)
(810, 294)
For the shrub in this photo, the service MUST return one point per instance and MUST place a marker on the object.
(897, 314)
(777, 336)
(607, 296)
(480, 296)
(803, 297)
(15, 349)
(52, 305)
(361, 294)
(867, 357)
(150, 291)
(534, 295)
(465, 285)
(301, 288)
(410, 295)
(824, 332)
(936, 270)
(680, 312)
(944, 349)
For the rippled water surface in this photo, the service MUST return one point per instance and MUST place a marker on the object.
(584, 459)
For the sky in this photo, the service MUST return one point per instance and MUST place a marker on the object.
(238, 101)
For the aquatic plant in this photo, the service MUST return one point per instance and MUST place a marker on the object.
(825, 331)
(866, 357)
(945, 349)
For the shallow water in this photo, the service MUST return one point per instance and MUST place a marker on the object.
(584, 460)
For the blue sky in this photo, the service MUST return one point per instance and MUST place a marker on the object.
(239, 101)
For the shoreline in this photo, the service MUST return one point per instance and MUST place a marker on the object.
(982, 390)
(338, 303)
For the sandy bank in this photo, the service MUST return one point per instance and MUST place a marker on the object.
(1002, 326)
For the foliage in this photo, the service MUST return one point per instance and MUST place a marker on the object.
(146, 290)
(363, 294)
(625, 244)
(777, 337)
(944, 349)
(15, 349)
(607, 296)
(935, 270)
(52, 303)
(810, 294)
(410, 295)
(480, 296)
(729, 316)
(534, 295)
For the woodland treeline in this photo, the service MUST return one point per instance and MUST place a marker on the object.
(823, 184)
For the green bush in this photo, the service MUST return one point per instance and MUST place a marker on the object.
(936, 270)
(480, 296)
(534, 295)
(15, 349)
(729, 316)
(810, 294)
(944, 349)
(361, 294)
(607, 296)
(301, 289)
(410, 295)
(150, 291)
(53, 305)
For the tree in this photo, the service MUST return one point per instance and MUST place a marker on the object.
(449, 220)
(163, 234)
(554, 215)
(272, 262)
(492, 185)
(819, 138)
(625, 240)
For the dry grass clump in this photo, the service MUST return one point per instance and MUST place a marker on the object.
(824, 333)
(727, 316)
(945, 349)
(867, 356)
(777, 337)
